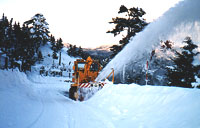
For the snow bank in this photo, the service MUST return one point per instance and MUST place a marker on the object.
(15, 91)
(134, 106)
(43, 105)
(13, 78)
(34, 104)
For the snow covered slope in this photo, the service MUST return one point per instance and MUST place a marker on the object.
(51, 64)
(40, 103)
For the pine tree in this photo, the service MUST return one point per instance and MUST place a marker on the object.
(74, 51)
(28, 50)
(59, 44)
(130, 24)
(80, 51)
(183, 72)
(54, 47)
(18, 45)
(115, 49)
(3, 26)
(39, 29)
(53, 43)
(5, 35)
(69, 51)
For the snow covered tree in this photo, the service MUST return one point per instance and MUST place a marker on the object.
(183, 72)
(28, 50)
(39, 29)
(54, 47)
(128, 25)
(53, 43)
(5, 35)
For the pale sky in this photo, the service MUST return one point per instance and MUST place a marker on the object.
(81, 22)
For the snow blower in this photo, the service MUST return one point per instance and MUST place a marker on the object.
(84, 84)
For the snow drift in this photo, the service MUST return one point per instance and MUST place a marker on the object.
(134, 106)
(41, 104)
(177, 23)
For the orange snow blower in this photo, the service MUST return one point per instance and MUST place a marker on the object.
(85, 73)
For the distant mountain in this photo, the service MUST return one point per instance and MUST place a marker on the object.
(99, 52)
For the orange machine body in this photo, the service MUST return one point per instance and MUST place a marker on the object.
(85, 71)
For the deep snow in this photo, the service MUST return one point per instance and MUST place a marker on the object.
(40, 103)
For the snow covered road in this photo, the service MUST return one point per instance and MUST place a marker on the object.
(38, 102)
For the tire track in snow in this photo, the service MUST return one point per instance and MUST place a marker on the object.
(101, 117)
(39, 116)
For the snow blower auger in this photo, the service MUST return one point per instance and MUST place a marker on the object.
(85, 73)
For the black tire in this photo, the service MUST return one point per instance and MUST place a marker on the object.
(72, 91)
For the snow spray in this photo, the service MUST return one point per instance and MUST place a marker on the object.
(175, 24)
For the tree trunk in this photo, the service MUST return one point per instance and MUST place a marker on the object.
(60, 59)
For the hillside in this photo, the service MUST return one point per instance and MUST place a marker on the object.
(52, 65)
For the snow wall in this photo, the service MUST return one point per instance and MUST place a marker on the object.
(175, 24)
(134, 106)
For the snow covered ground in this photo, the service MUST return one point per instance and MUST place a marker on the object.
(39, 102)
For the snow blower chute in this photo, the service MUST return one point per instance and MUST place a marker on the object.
(84, 84)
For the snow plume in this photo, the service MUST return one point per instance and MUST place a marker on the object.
(177, 23)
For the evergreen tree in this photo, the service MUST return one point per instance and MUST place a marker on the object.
(77, 52)
(39, 30)
(54, 47)
(115, 49)
(80, 51)
(53, 43)
(28, 49)
(183, 72)
(130, 24)
(69, 51)
(74, 51)
(5, 40)
(59, 44)
(18, 45)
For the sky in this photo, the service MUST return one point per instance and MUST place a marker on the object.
(81, 22)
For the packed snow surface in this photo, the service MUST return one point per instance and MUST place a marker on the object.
(40, 102)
